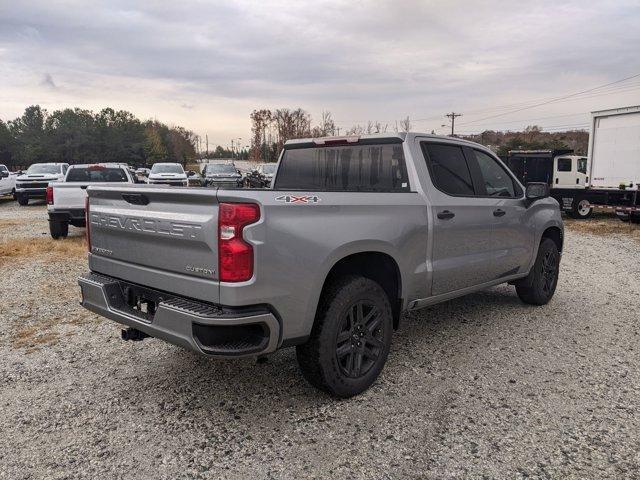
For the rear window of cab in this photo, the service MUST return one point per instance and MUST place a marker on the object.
(348, 168)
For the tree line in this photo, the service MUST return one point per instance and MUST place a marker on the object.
(532, 137)
(270, 129)
(82, 136)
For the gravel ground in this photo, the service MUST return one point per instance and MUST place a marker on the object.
(482, 386)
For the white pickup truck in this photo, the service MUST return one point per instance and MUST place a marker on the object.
(168, 174)
(66, 199)
(7, 181)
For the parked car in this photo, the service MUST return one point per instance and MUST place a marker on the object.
(195, 179)
(354, 231)
(167, 174)
(261, 176)
(7, 181)
(143, 173)
(66, 200)
(222, 175)
(33, 183)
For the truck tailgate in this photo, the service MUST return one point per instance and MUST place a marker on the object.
(161, 237)
(69, 195)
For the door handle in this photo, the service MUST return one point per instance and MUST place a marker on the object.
(499, 213)
(446, 215)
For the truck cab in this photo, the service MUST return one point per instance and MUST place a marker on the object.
(570, 171)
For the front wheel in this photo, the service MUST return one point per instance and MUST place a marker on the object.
(350, 339)
(58, 229)
(581, 209)
(538, 287)
(22, 200)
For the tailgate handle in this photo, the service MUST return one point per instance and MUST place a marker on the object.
(135, 198)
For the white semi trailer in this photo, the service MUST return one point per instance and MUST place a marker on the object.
(608, 177)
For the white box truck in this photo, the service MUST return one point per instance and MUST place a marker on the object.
(608, 177)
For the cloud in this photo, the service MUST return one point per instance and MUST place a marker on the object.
(378, 60)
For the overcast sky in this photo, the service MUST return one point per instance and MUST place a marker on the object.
(206, 65)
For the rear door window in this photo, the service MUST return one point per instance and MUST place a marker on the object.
(352, 168)
(448, 168)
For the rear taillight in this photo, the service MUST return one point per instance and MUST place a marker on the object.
(87, 230)
(235, 255)
(49, 195)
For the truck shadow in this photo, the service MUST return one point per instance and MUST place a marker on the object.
(217, 384)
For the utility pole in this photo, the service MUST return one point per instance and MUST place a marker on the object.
(207, 137)
(453, 116)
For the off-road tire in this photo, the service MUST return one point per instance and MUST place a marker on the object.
(319, 357)
(538, 287)
(58, 229)
(22, 200)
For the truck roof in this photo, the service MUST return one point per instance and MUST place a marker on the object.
(559, 151)
(394, 137)
(616, 111)
(106, 165)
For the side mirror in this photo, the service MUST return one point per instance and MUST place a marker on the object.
(4, 174)
(536, 191)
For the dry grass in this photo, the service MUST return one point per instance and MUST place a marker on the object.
(33, 337)
(10, 223)
(42, 247)
(604, 226)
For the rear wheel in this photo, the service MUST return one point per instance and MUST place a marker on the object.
(22, 200)
(58, 229)
(628, 217)
(581, 208)
(540, 285)
(351, 338)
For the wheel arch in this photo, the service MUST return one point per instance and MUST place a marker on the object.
(376, 265)
(554, 233)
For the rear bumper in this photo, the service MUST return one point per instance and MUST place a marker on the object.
(26, 192)
(74, 216)
(208, 329)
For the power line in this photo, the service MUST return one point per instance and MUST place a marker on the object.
(553, 100)
(610, 88)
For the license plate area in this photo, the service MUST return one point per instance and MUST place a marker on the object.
(135, 300)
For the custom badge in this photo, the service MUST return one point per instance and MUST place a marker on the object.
(299, 199)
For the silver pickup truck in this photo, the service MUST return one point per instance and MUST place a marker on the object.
(352, 232)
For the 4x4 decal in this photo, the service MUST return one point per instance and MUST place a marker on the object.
(306, 199)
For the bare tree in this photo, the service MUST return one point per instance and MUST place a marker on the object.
(405, 124)
(260, 122)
